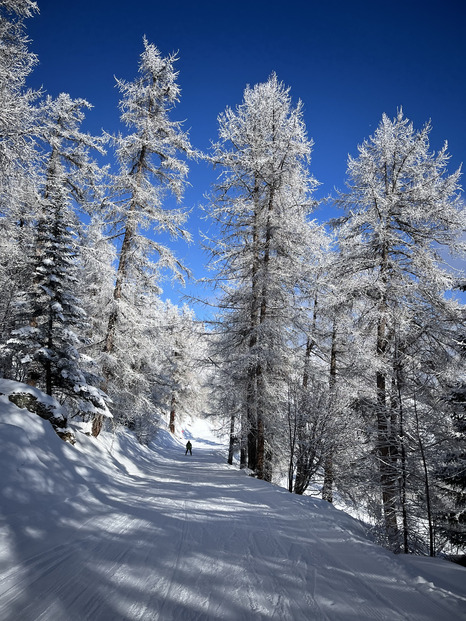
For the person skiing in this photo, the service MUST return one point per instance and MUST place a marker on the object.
(189, 448)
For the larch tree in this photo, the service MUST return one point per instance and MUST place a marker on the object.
(18, 116)
(402, 208)
(19, 157)
(153, 170)
(261, 203)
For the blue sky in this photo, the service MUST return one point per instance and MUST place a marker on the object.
(348, 62)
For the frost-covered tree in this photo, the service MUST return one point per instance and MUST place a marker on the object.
(18, 118)
(150, 169)
(47, 343)
(19, 128)
(261, 202)
(183, 363)
(402, 208)
(152, 172)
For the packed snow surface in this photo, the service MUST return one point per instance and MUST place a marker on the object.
(107, 530)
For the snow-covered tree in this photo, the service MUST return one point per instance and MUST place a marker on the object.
(183, 363)
(261, 202)
(150, 169)
(48, 341)
(402, 207)
(152, 172)
(18, 118)
(19, 158)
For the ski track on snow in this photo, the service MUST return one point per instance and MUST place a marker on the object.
(180, 537)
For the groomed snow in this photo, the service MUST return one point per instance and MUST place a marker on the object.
(107, 530)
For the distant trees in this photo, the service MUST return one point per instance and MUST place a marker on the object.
(182, 374)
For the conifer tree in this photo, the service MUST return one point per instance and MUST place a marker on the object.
(261, 202)
(53, 322)
(152, 172)
(402, 206)
(19, 158)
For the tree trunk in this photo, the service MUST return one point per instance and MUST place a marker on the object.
(231, 446)
(386, 470)
(264, 463)
(260, 464)
(404, 474)
(251, 414)
(48, 364)
(384, 447)
(243, 457)
(268, 464)
(327, 488)
(172, 413)
(292, 435)
(97, 424)
(251, 394)
(426, 481)
(109, 343)
(306, 456)
(124, 258)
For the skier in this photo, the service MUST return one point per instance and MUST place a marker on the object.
(189, 447)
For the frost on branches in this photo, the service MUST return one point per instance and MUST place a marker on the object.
(47, 344)
(152, 170)
(261, 202)
(402, 208)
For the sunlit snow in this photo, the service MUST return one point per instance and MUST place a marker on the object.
(110, 530)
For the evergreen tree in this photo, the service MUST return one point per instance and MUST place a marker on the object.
(53, 320)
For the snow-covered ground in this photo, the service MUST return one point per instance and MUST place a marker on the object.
(107, 530)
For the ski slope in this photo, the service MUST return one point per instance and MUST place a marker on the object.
(108, 530)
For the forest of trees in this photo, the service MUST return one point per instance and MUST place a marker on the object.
(335, 357)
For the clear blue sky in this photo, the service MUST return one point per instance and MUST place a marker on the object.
(349, 61)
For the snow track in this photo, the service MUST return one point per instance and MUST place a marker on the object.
(164, 537)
